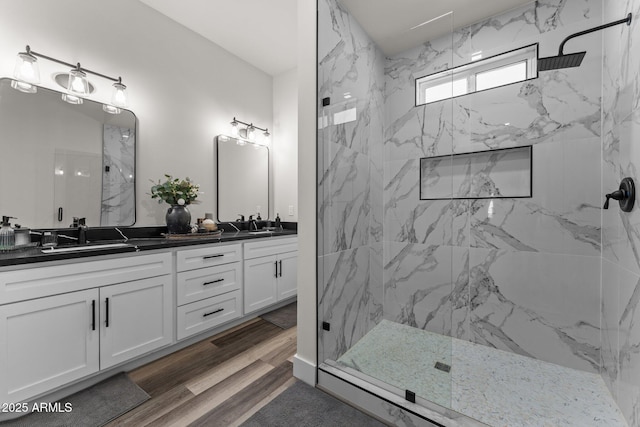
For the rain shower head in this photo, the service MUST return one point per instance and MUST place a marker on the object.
(573, 59)
(561, 61)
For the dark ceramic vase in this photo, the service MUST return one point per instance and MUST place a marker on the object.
(178, 220)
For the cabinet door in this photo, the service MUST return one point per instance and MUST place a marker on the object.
(260, 289)
(135, 318)
(47, 343)
(287, 275)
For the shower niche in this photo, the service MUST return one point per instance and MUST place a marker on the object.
(502, 173)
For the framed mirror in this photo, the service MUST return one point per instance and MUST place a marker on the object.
(61, 161)
(242, 178)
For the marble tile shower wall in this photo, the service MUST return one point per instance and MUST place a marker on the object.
(621, 231)
(350, 194)
(521, 275)
(118, 183)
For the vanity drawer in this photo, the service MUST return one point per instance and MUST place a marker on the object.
(202, 315)
(24, 284)
(202, 283)
(208, 256)
(270, 247)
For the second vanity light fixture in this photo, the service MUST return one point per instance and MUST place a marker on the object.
(248, 132)
(27, 75)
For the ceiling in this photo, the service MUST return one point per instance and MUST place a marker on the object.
(396, 26)
(261, 32)
(264, 32)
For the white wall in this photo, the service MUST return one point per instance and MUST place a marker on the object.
(306, 357)
(183, 88)
(285, 144)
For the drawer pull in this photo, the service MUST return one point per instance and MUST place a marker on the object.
(212, 256)
(213, 281)
(213, 312)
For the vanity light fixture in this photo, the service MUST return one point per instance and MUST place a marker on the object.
(234, 127)
(27, 75)
(26, 72)
(247, 133)
(251, 133)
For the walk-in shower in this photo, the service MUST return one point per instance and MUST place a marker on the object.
(467, 273)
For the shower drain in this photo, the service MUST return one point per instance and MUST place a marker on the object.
(442, 366)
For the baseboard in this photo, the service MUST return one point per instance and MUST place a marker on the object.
(304, 370)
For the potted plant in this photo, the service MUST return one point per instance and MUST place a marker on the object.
(178, 193)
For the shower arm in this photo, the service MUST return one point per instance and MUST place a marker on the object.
(626, 20)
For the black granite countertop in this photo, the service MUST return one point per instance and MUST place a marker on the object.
(137, 239)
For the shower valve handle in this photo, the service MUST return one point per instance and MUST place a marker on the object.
(625, 195)
(616, 195)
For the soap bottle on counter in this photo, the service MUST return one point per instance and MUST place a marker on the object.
(278, 222)
(7, 235)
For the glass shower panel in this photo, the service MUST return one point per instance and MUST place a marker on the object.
(386, 284)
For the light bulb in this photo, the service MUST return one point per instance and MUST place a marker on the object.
(251, 133)
(266, 137)
(234, 128)
(119, 96)
(26, 68)
(78, 83)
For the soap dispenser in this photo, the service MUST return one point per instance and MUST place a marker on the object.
(278, 223)
(7, 235)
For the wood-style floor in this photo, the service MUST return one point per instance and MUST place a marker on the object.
(220, 381)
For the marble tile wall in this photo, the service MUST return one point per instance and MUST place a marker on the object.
(621, 231)
(515, 263)
(118, 183)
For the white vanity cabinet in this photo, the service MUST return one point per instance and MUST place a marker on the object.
(135, 318)
(46, 343)
(209, 283)
(270, 272)
(69, 322)
(64, 322)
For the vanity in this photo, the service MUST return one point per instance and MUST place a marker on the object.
(76, 314)
(73, 318)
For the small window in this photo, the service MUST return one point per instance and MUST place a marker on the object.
(499, 70)
(501, 76)
(445, 90)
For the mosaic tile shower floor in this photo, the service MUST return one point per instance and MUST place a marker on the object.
(495, 387)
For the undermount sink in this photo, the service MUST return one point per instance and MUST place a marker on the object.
(84, 248)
